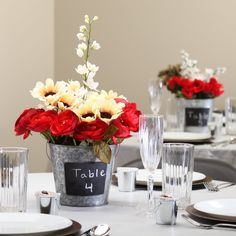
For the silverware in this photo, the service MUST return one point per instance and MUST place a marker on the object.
(216, 187)
(209, 226)
(97, 230)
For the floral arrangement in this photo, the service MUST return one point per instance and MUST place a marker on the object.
(71, 113)
(185, 80)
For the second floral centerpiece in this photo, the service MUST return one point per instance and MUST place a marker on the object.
(83, 125)
(194, 91)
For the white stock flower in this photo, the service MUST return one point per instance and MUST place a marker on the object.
(81, 36)
(95, 45)
(91, 84)
(86, 19)
(82, 70)
(92, 67)
(83, 29)
(81, 48)
(95, 18)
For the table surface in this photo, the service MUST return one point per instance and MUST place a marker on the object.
(121, 213)
(129, 151)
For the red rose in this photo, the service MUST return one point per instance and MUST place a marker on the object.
(215, 88)
(173, 83)
(198, 86)
(187, 92)
(64, 123)
(41, 122)
(22, 123)
(122, 130)
(130, 116)
(93, 130)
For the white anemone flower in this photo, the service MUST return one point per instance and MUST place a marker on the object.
(95, 45)
(82, 70)
(92, 67)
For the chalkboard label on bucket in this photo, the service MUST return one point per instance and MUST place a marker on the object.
(196, 116)
(85, 179)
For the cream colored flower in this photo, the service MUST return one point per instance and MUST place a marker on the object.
(67, 100)
(111, 95)
(86, 112)
(109, 110)
(48, 92)
(73, 86)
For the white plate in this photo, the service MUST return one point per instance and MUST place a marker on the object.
(142, 175)
(221, 207)
(26, 223)
(186, 137)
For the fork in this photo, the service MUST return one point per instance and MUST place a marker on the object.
(209, 226)
(215, 188)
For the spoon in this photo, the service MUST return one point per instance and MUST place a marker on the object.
(98, 230)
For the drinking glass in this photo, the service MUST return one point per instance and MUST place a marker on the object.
(177, 171)
(155, 90)
(13, 179)
(151, 140)
(230, 114)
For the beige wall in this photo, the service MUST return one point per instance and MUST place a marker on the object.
(26, 56)
(138, 38)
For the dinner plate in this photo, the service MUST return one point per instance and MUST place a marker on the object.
(219, 207)
(28, 223)
(208, 217)
(142, 175)
(186, 137)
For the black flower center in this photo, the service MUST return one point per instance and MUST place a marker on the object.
(88, 115)
(49, 93)
(106, 115)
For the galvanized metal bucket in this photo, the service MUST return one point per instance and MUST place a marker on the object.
(193, 115)
(62, 155)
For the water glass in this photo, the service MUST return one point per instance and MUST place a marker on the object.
(151, 140)
(177, 171)
(155, 91)
(13, 179)
(230, 114)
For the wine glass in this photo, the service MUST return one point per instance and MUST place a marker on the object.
(151, 142)
(155, 91)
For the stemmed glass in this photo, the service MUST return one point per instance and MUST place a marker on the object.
(155, 90)
(151, 142)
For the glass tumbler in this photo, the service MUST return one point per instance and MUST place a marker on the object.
(177, 172)
(230, 115)
(13, 179)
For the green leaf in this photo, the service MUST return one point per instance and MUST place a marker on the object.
(103, 151)
(110, 132)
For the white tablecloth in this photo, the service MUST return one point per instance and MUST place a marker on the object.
(121, 213)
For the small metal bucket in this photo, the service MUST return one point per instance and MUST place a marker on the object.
(62, 155)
